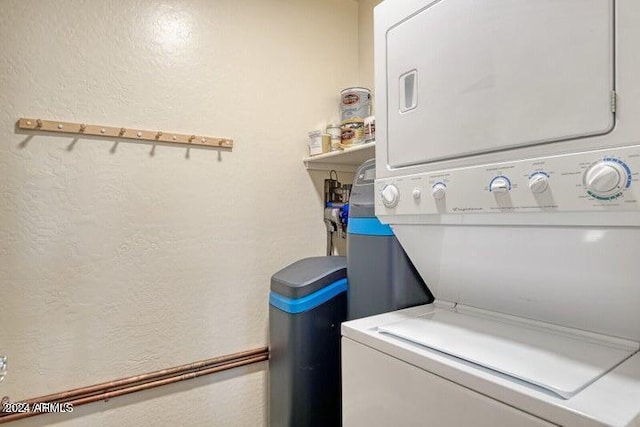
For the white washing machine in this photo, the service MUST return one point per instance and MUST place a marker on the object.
(508, 159)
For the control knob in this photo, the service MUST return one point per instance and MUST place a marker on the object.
(605, 178)
(390, 196)
(500, 185)
(438, 191)
(538, 183)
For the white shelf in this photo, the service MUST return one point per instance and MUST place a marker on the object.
(342, 161)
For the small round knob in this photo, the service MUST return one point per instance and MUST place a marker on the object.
(538, 183)
(390, 196)
(438, 191)
(416, 193)
(605, 178)
(500, 185)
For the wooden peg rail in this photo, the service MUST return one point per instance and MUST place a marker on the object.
(116, 132)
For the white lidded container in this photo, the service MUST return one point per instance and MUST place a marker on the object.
(355, 102)
(335, 131)
(352, 132)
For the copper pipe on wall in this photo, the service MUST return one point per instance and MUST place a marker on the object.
(65, 395)
(105, 391)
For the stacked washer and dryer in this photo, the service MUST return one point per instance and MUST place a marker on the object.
(507, 161)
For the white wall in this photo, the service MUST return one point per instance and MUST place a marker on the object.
(123, 258)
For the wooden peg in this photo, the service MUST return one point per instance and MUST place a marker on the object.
(39, 123)
(83, 127)
(122, 131)
(158, 135)
(191, 138)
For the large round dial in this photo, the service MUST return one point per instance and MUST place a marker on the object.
(606, 178)
(500, 185)
(390, 196)
(439, 190)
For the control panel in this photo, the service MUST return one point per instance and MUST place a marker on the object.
(582, 182)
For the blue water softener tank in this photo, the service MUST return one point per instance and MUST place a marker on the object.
(381, 276)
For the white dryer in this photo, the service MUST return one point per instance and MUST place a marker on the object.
(508, 159)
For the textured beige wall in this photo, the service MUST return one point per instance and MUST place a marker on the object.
(122, 258)
(365, 43)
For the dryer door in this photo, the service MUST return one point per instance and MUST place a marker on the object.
(468, 76)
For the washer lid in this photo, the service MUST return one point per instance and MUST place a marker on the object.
(561, 360)
(467, 76)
